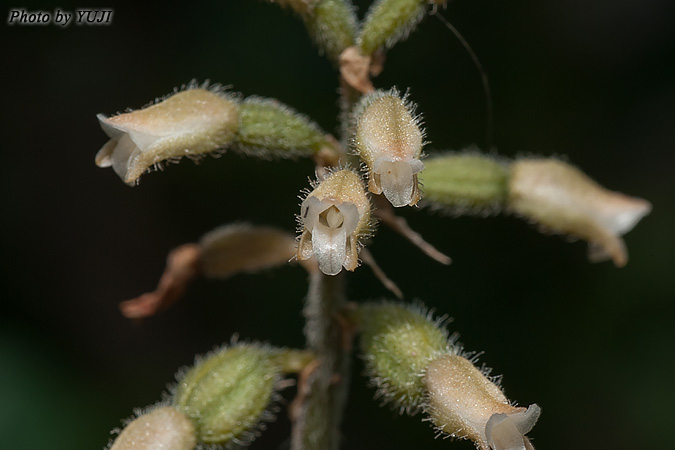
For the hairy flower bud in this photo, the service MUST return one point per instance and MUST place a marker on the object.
(390, 21)
(163, 428)
(228, 393)
(397, 343)
(189, 123)
(332, 219)
(241, 247)
(268, 127)
(465, 183)
(561, 198)
(389, 139)
(331, 23)
(464, 403)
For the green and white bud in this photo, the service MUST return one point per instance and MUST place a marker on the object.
(388, 137)
(227, 395)
(462, 183)
(397, 343)
(464, 403)
(563, 199)
(333, 217)
(163, 428)
(270, 128)
(190, 123)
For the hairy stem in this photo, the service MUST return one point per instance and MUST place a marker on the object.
(319, 415)
(348, 98)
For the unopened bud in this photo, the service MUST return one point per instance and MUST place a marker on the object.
(237, 248)
(561, 198)
(389, 139)
(397, 343)
(332, 24)
(227, 395)
(465, 183)
(390, 21)
(333, 217)
(163, 428)
(270, 128)
(464, 403)
(189, 123)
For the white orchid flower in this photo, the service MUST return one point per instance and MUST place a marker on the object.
(189, 123)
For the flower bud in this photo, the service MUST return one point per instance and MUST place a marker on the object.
(236, 248)
(561, 198)
(268, 127)
(465, 183)
(228, 393)
(189, 123)
(390, 21)
(163, 428)
(397, 343)
(332, 24)
(221, 253)
(333, 217)
(388, 138)
(464, 403)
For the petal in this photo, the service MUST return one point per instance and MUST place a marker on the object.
(350, 213)
(506, 431)
(352, 255)
(113, 131)
(620, 213)
(122, 157)
(396, 178)
(329, 245)
(305, 249)
(103, 157)
(309, 211)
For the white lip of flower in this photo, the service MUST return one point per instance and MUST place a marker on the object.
(389, 140)
(398, 179)
(464, 403)
(507, 431)
(333, 217)
(188, 123)
(331, 224)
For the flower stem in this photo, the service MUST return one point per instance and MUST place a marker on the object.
(318, 418)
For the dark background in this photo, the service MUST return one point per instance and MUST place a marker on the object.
(591, 344)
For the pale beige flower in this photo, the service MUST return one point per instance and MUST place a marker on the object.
(464, 403)
(333, 217)
(562, 198)
(189, 123)
(389, 140)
